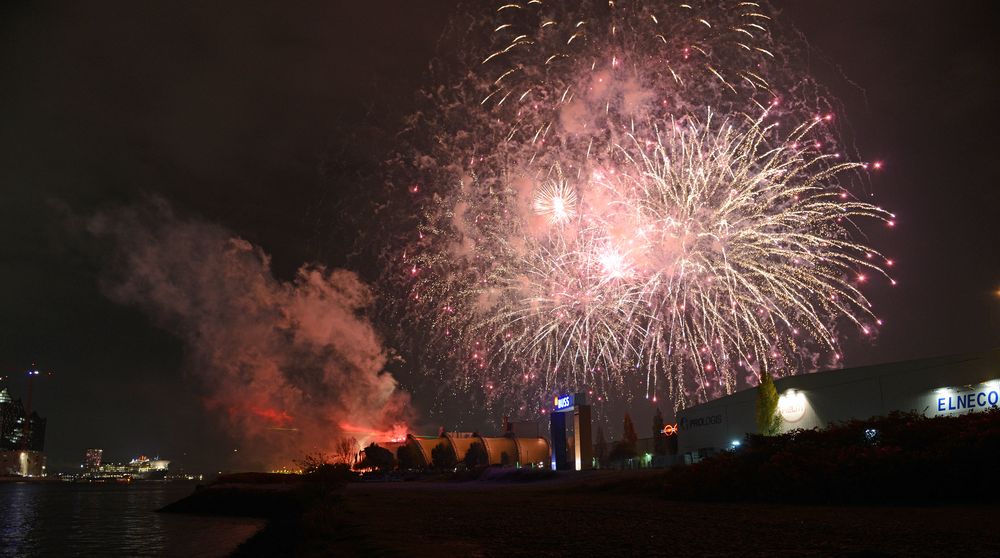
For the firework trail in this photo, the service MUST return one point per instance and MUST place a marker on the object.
(631, 197)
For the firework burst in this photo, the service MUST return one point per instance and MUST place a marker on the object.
(607, 217)
(704, 255)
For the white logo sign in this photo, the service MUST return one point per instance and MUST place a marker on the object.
(792, 406)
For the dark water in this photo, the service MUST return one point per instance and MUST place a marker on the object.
(66, 519)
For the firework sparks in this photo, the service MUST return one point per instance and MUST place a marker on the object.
(739, 253)
(618, 220)
(556, 200)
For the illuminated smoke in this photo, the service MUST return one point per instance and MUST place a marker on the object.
(288, 366)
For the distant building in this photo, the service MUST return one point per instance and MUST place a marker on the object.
(140, 468)
(12, 431)
(20, 448)
(92, 459)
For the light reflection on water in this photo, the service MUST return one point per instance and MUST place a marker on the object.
(65, 519)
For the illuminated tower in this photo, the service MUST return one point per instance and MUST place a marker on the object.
(572, 444)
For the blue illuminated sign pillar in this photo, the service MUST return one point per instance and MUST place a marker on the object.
(578, 453)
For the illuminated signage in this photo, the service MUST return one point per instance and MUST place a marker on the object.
(563, 402)
(670, 429)
(792, 406)
(983, 398)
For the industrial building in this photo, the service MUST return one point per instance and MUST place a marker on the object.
(21, 445)
(505, 450)
(933, 387)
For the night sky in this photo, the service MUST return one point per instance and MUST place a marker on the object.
(256, 118)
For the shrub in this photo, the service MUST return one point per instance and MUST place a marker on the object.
(903, 457)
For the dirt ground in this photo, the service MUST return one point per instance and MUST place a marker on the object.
(564, 517)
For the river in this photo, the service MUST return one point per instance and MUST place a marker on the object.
(108, 520)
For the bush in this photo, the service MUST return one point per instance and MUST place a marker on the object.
(332, 474)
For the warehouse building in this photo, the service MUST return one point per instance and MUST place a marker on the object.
(507, 450)
(932, 387)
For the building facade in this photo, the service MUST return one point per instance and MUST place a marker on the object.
(505, 450)
(932, 387)
(20, 448)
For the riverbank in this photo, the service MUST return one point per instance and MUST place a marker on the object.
(29, 480)
(585, 514)
(297, 509)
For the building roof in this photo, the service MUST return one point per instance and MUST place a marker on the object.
(497, 447)
(844, 376)
(518, 450)
(461, 445)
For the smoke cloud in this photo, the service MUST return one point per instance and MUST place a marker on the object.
(287, 366)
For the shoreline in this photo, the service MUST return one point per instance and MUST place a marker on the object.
(477, 518)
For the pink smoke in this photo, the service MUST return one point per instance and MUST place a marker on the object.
(284, 363)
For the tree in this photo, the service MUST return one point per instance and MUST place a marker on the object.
(407, 457)
(768, 419)
(442, 457)
(476, 456)
(625, 448)
(312, 462)
(376, 458)
(628, 432)
(659, 438)
(504, 458)
(601, 448)
(346, 450)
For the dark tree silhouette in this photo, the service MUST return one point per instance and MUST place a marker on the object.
(625, 448)
(346, 450)
(407, 458)
(601, 448)
(659, 438)
(442, 457)
(476, 456)
(628, 432)
(313, 462)
(377, 458)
